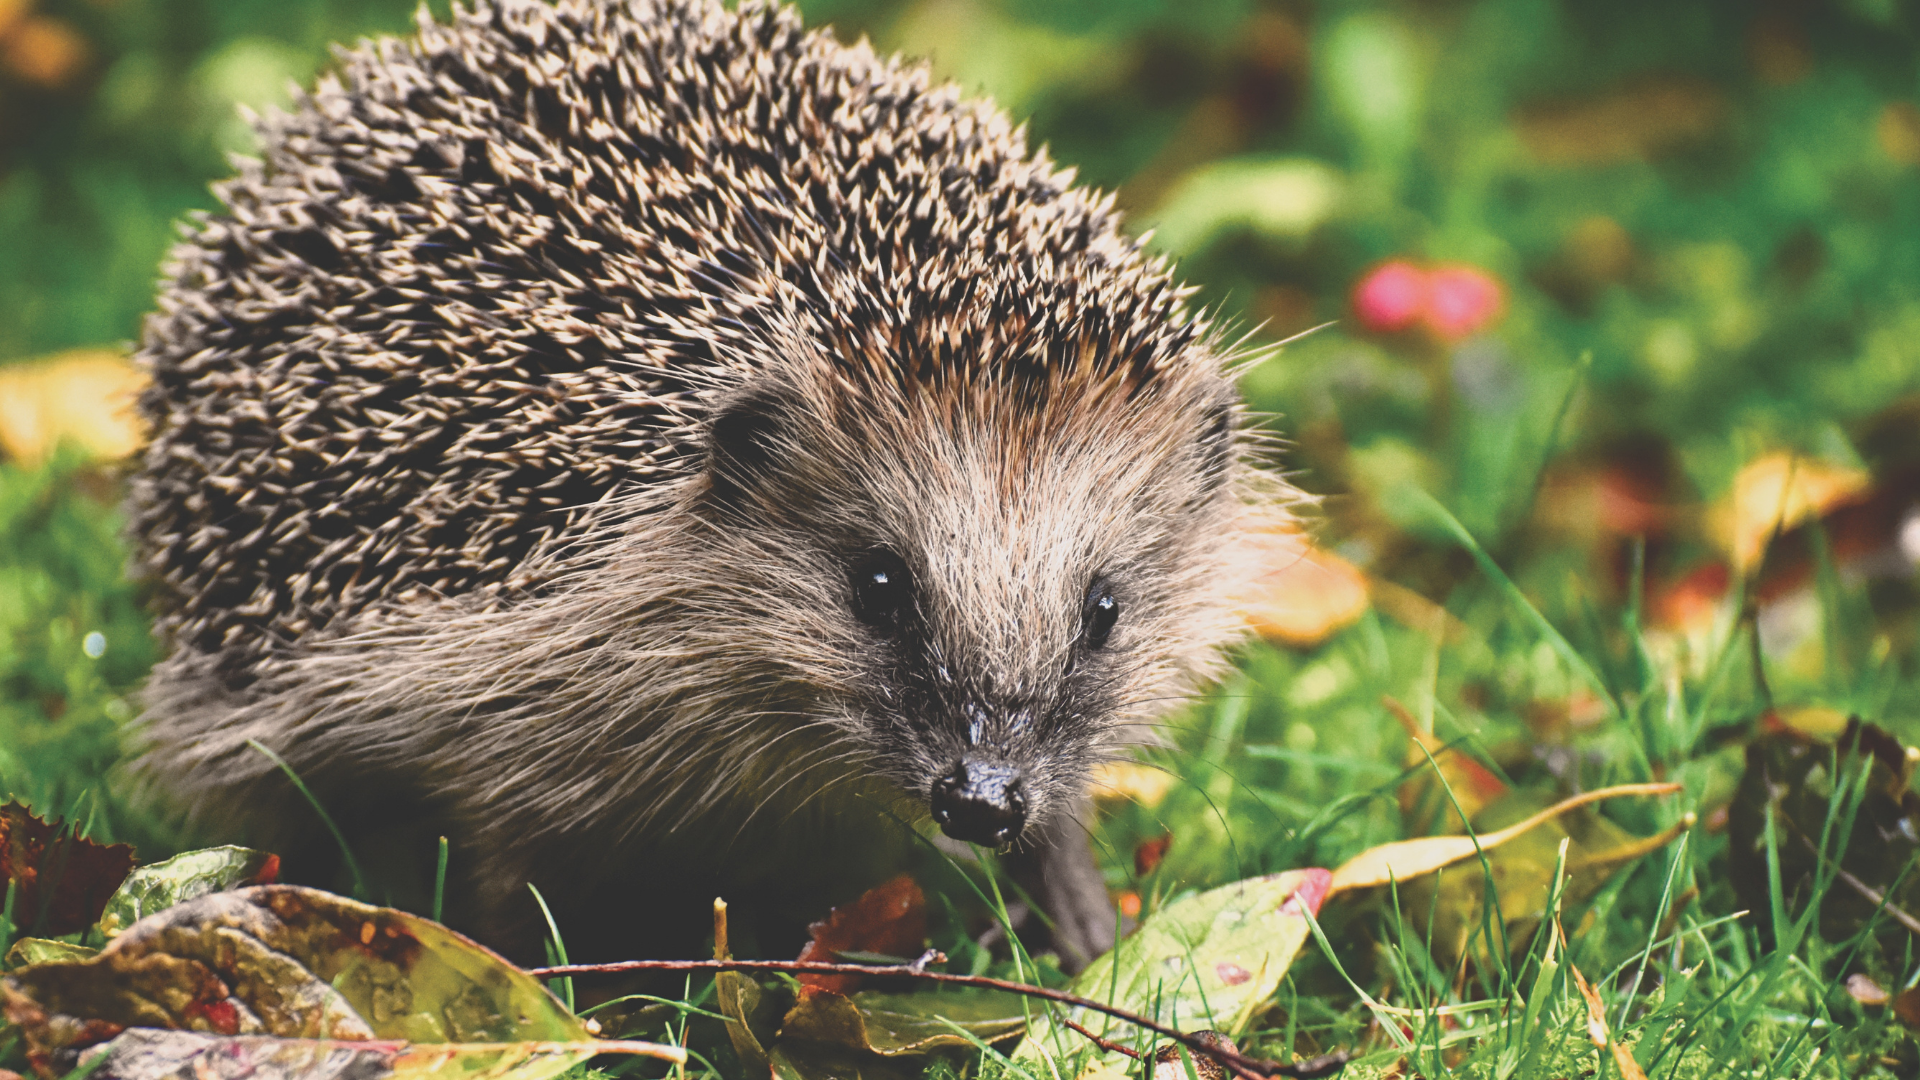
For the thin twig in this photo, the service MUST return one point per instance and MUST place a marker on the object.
(1249, 1068)
(1105, 1044)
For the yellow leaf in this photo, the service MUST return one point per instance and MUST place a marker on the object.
(1406, 859)
(1774, 493)
(84, 396)
(1131, 781)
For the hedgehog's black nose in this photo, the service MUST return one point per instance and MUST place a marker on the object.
(980, 802)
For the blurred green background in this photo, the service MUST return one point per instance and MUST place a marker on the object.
(1632, 289)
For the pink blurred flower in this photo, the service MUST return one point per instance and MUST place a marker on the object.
(1391, 296)
(1462, 300)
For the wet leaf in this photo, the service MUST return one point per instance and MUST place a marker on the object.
(894, 1025)
(889, 919)
(285, 961)
(1207, 961)
(1407, 859)
(155, 888)
(61, 880)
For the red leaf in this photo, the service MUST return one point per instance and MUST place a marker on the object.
(1148, 855)
(890, 918)
(61, 881)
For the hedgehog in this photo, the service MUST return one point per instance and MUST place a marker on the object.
(666, 450)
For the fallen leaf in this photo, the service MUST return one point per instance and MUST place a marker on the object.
(889, 919)
(1131, 781)
(1906, 1007)
(1772, 494)
(1305, 595)
(290, 962)
(1865, 991)
(1793, 770)
(43, 50)
(151, 1054)
(1406, 859)
(1442, 778)
(1635, 121)
(897, 1025)
(155, 888)
(33, 950)
(85, 397)
(1206, 961)
(61, 880)
(1147, 856)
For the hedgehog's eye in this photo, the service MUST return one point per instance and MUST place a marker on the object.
(1099, 614)
(882, 590)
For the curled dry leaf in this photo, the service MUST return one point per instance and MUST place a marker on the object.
(1407, 859)
(889, 919)
(61, 880)
(302, 964)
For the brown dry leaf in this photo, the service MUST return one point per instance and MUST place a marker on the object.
(1635, 121)
(1306, 594)
(1406, 859)
(85, 396)
(62, 881)
(43, 51)
(1772, 494)
(890, 919)
(1597, 1029)
(1906, 1007)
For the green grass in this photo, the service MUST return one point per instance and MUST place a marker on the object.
(1678, 303)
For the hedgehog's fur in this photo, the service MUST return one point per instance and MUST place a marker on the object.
(514, 426)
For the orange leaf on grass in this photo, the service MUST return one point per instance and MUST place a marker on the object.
(890, 919)
(61, 881)
(1305, 594)
(1773, 493)
(1406, 859)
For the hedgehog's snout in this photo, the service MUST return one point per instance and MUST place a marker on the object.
(980, 801)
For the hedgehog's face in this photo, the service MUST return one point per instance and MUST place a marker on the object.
(995, 592)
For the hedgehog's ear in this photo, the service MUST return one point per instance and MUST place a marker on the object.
(745, 440)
